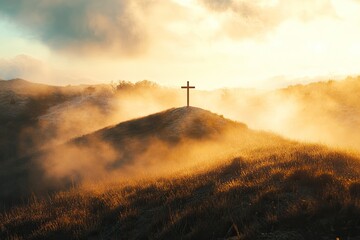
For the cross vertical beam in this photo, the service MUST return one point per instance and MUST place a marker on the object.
(188, 92)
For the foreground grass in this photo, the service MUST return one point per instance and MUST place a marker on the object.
(292, 192)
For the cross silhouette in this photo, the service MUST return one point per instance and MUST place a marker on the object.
(188, 92)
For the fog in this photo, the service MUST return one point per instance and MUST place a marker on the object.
(78, 140)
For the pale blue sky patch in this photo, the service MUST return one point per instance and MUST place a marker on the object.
(14, 41)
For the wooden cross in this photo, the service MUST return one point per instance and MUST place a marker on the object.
(188, 92)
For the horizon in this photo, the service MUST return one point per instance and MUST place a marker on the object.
(211, 43)
(296, 82)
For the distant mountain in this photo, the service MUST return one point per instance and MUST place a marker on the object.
(30, 89)
(21, 86)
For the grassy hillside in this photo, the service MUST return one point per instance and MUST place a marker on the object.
(21, 103)
(211, 178)
(184, 173)
(290, 191)
(23, 114)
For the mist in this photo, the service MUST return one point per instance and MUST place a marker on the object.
(69, 144)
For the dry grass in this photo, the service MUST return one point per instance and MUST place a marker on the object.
(291, 191)
(238, 185)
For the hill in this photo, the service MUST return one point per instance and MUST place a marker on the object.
(191, 174)
(31, 118)
(131, 144)
(171, 126)
(27, 108)
(24, 87)
(326, 112)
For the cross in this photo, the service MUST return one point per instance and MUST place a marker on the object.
(188, 95)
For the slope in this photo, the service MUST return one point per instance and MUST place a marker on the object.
(21, 103)
(243, 185)
(27, 111)
(285, 192)
(110, 150)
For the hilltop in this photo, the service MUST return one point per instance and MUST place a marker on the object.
(214, 179)
(171, 125)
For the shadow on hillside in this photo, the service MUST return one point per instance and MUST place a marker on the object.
(281, 195)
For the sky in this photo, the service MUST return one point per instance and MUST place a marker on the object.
(211, 43)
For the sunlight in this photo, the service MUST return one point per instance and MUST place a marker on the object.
(180, 119)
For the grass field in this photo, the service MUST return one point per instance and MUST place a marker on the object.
(289, 191)
(182, 174)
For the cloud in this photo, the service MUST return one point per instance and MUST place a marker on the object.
(84, 26)
(124, 28)
(243, 19)
(22, 66)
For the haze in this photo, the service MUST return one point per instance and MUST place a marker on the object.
(214, 43)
